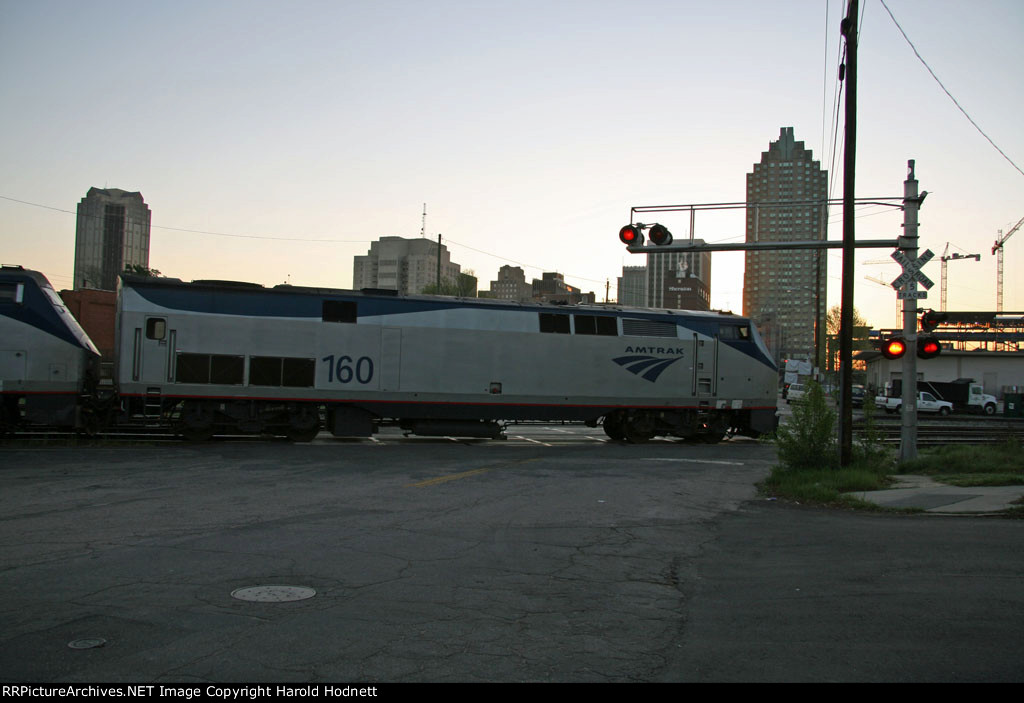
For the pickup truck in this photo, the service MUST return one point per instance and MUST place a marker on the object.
(926, 403)
(963, 393)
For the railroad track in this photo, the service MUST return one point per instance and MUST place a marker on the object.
(949, 431)
(931, 432)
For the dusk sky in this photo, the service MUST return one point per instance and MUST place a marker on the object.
(274, 141)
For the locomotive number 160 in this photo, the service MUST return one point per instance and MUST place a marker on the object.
(345, 370)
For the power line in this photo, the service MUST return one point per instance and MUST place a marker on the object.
(297, 239)
(520, 263)
(197, 231)
(959, 107)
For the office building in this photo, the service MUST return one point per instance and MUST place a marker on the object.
(679, 280)
(552, 288)
(511, 285)
(405, 265)
(633, 286)
(112, 233)
(784, 291)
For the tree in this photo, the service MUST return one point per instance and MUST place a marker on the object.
(140, 270)
(833, 323)
(463, 287)
(808, 440)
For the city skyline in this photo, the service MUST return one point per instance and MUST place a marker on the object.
(272, 148)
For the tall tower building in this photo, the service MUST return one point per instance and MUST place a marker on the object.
(679, 280)
(112, 233)
(784, 291)
(405, 265)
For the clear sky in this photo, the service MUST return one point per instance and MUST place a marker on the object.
(529, 128)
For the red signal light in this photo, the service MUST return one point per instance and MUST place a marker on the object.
(894, 348)
(928, 347)
(631, 235)
(660, 235)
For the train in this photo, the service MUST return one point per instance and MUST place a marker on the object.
(209, 358)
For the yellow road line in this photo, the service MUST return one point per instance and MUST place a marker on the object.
(464, 474)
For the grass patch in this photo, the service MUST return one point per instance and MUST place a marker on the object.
(826, 486)
(998, 465)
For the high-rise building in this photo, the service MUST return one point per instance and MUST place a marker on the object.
(784, 291)
(679, 280)
(112, 234)
(405, 265)
(633, 286)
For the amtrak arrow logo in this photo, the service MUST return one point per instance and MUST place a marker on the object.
(646, 367)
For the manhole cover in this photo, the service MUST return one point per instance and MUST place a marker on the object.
(88, 643)
(273, 594)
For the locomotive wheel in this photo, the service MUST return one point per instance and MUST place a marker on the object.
(613, 426)
(196, 434)
(91, 423)
(638, 429)
(196, 422)
(298, 434)
(303, 425)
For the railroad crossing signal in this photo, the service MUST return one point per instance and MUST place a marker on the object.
(633, 235)
(906, 283)
(893, 348)
(928, 347)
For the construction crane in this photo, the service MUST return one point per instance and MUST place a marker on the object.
(885, 284)
(946, 256)
(997, 249)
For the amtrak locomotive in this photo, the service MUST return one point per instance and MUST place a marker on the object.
(47, 361)
(220, 357)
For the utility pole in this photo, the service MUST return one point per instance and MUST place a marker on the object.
(908, 244)
(849, 31)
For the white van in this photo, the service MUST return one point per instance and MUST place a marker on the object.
(796, 392)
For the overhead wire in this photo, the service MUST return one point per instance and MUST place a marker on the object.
(296, 239)
(946, 90)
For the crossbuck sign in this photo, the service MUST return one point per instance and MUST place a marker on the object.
(906, 283)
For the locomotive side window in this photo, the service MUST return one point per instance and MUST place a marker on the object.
(210, 368)
(226, 370)
(281, 371)
(596, 324)
(156, 328)
(193, 368)
(298, 373)
(339, 311)
(265, 371)
(12, 292)
(556, 324)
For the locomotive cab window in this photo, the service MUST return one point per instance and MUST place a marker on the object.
(596, 324)
(156, 328)
(555, 324)
(339, 311)
(734, 332)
